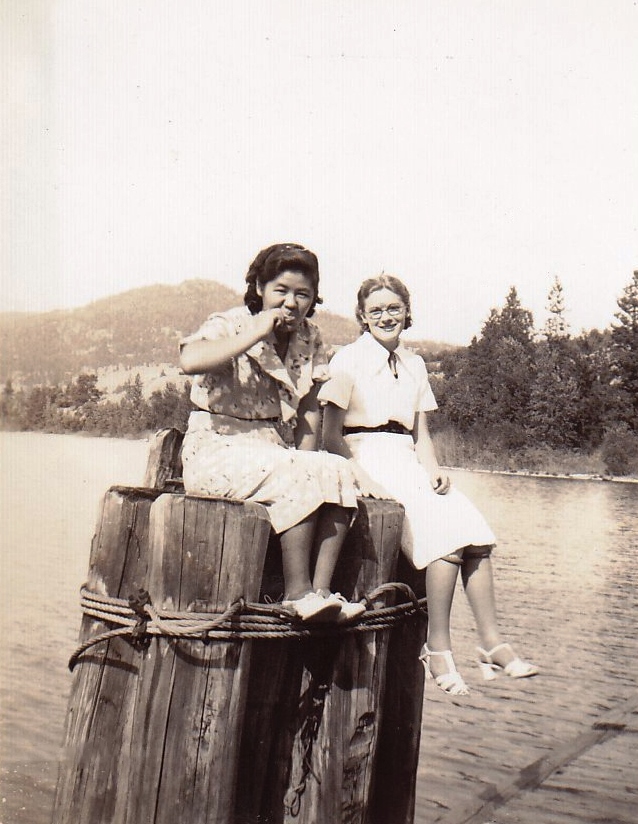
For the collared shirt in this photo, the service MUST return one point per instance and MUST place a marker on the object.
(362, 383)
(257, 384)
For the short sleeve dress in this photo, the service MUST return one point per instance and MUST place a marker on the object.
(362, 382)
(239, 442)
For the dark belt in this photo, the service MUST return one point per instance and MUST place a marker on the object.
(394, 427)
(255, 420)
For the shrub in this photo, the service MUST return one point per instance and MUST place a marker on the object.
(619, 452)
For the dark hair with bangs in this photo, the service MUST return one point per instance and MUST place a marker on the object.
(274, 260)
(382, 281)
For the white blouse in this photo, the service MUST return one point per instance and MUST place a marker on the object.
(362, 382)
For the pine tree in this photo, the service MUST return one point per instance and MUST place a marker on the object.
(554, 412)
(491, 386)
(513, 321)
(556, 326)
(624, 345)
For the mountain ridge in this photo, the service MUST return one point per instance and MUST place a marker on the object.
(138, 327)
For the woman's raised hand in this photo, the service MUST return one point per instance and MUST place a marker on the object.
(267, 320)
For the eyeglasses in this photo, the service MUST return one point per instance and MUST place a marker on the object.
(394, 310)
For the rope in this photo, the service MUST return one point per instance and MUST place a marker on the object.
(138, 620)
(308, 733)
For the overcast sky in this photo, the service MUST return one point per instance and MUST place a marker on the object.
(463, 145)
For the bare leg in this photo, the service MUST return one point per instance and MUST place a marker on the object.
(332, 525)
(478, 581)
(440, 581)
(296, 544)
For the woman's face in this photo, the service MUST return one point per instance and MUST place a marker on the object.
(384, 312)
(291, 291)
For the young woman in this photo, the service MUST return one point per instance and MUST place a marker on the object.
(376, 405)
(255, 432)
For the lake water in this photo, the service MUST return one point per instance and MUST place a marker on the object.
(571, 546)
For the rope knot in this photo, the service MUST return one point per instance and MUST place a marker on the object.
(139, 637)
(138, 602)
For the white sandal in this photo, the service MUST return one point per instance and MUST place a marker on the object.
(451, 681)
(517, 668)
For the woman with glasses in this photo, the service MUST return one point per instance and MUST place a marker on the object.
(255, 430)
(376, 405)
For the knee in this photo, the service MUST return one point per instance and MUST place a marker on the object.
(477, 552)
(454, 558)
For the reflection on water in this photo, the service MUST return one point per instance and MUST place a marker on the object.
(568, 545)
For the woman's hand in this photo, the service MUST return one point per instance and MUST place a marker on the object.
(209, 355)
(440, 482)
(267, 320)
(366, 486)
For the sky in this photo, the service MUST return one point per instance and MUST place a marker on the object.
(465, 146)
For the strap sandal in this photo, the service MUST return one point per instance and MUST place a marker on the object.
(451, 681)
(516, 668)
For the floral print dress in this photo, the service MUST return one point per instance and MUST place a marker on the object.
(240, 441)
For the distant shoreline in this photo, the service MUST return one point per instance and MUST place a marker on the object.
(575, 476)
(518, 473)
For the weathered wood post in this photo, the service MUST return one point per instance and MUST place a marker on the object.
(314, 704)
(153, 736)
(99, 720)
(205, 555)
(343, 686)
(393, 792)
(308, 727)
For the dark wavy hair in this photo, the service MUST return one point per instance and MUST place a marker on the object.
(382, 281)
(274, 260)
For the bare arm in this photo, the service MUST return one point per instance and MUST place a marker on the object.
(427, 457)
(209, 355)
(333, 441)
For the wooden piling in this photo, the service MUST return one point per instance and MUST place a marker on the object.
(153, 736)
(97, 739)
(244, 731)
(205, 555)
(343, 683)
(392, 795)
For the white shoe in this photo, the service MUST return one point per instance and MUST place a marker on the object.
(313, 607)
(349, 610)
(517, 668)
(450, 681)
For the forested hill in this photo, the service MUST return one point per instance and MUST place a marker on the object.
(134, 328)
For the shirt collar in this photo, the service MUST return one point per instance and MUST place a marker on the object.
(377, 355)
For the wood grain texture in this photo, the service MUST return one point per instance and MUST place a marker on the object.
(205, 555)
(100, 712)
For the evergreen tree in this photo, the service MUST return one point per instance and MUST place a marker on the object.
(8, 404)
(556, 326)
(554, 412)
(170, 407)
(624, 346)
(85, 390)
(513, 321)
(134, 411)
(40, 410)
(488, 386)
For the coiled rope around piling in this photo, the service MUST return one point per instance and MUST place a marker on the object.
(137, 620)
